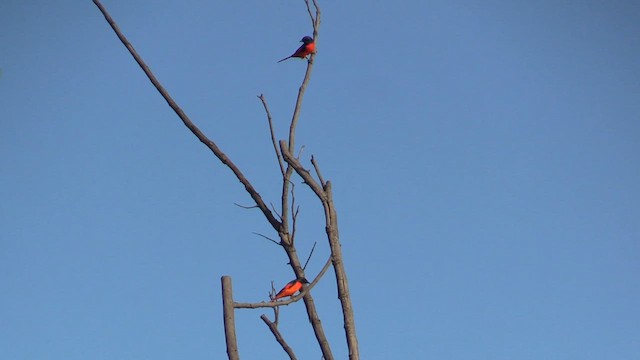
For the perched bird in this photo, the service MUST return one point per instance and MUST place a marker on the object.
(307, 47)
(291, 288)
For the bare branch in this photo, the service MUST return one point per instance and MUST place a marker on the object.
(331, 220)
(304, 173)
(273, 136)
(296, 110)
(292, 136)
(300, 152)
(317, 168)
(276, 333)
(189, 124)
(294, 217)
(275, 211)
(245, 207)
(310, 253)
(229, 318)
(272, 292)
(285, 204)
(294, 214)
(276, 311)
(313, 21)
(307, 76)
(316, 23)
(348, 317)
(268, 238)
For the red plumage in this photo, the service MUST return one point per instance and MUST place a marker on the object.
(291, 288)
(304, 50)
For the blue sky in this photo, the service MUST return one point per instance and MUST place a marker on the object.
(485, 158)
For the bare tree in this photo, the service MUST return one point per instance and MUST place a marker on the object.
(284, 221)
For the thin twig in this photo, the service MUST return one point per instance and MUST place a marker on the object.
(294, 214)
(317, 168)
(273, 136)
(313, 21)
(316, 24)
(245, 207)
(298, 106)
(268, 238)
(302, 172)
(310, 253)
(276, 310)
(189, 124)
(275, 211)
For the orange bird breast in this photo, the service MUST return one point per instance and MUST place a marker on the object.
(308, 49)
(304, 50)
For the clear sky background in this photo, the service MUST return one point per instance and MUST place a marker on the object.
(485, 157)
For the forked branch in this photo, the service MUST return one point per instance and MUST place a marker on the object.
(324, 194)
(189, 124)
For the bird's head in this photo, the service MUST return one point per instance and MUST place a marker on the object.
(303, 280)
(307, 40)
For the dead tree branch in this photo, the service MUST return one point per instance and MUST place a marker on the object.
(296, 112)
(309, 303)
(273, 136)
(310, 253)
(189, 124)
(279, 338)
(298, 106)
(294, 214)
(325, 196)
(229, 319)
(285, 234)
(245, 206)
(266, 237)
(302, 172)
(315, 166)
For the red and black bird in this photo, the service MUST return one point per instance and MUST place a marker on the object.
(291, 288)
(307, 47)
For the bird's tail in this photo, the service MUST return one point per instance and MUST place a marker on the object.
(288, 57)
